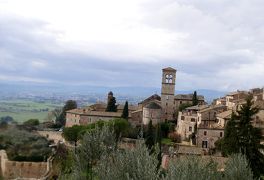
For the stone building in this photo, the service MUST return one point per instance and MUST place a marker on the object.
(94, 113)
(187, 121)
(152, 112)
(207, 136)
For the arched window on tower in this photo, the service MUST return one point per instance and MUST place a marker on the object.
(169, 78)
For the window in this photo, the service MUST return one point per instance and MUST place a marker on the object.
(167, 97)
(204, 144)
(182, 117)
(192, 119)
(190, 129)
(221, 134)
(166, 104)
(205, 133)
(168, 78)
(180, 102)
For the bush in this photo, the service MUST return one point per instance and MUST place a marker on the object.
(175, 137)
(31, 122)
(24, 146)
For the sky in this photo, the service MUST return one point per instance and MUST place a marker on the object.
(213, 44)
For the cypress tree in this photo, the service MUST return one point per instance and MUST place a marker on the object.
(195, 99)
(249, 137)
(125, 112)
(150, 141)
(230, 141)
(241, 136)
(111, 105)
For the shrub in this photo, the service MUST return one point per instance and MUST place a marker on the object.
(175, 137)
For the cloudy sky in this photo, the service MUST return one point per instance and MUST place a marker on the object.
(213, 44)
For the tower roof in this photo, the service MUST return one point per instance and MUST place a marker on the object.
(169, 69)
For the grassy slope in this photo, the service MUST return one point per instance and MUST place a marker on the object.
(22, 110)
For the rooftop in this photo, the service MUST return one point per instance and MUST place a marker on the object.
(169, 69)
(188, 97)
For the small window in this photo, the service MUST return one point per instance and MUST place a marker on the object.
(167, 97)
(204, 144)
(190, 129)
(166, 104)
(221, 134)
(180, 102)
(182, 117)
(192, 119)
(205, 133)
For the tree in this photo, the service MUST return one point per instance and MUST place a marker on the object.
(128, 164)
(94, 144)
(125, 112)
(229, 144)
(195, 99)
(111, 104)
(241, 136)
(31, 122)
(249, 137)
(69, 105)
(72, 133)
(150, 141)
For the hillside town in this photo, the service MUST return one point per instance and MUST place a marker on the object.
(183, 125)
(200, 125)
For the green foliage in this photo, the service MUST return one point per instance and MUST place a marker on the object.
(189, 168)
(237, 167)
(149, 137)
(31, 122)
(93, 145)
(24, 146)
(166, 128)
(72, 133)
(125, 112)
(98, 157)
(6, 119)
(128, 164)
(111, 105)
(120, 126)
(186, 168)
(229, 144)
(184, 106)
(195, 100)
(69, 105)
(243, 137)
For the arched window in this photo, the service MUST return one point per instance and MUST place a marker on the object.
(169, 78)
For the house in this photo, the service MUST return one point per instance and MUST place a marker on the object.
(187, 121)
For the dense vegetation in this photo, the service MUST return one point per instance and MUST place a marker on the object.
(241, 136)
(22, 145)
(98, 157)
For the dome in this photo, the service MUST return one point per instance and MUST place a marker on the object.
(110, 93)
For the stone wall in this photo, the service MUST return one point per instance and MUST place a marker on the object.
(15, 169)
(209, 136)
(56, 136)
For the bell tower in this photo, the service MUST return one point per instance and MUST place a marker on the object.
(167, 94)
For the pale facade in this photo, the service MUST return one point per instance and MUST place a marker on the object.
(186, 124)
(152, 112)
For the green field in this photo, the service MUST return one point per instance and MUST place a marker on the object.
(22, 110)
